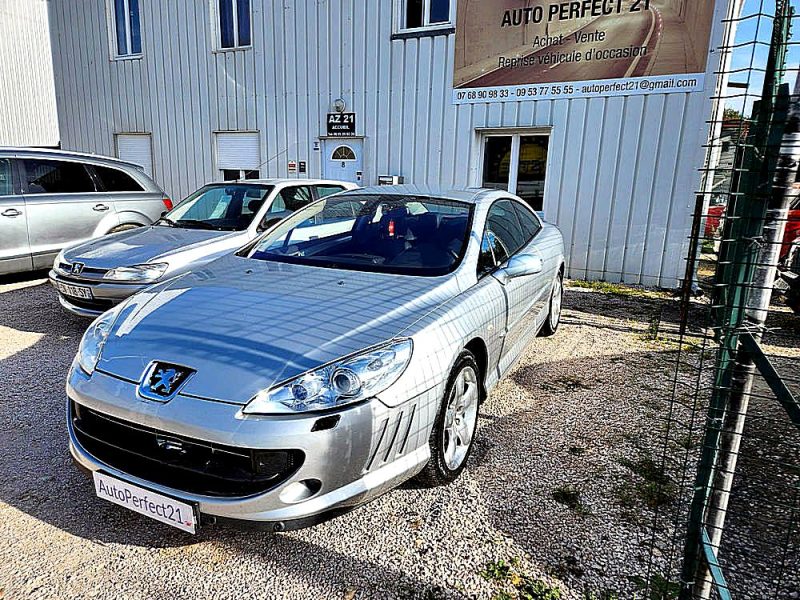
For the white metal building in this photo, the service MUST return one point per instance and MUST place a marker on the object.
(27, 93)
(199, 90)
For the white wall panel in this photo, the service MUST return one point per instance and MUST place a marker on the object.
(621, 171)
(28, 115)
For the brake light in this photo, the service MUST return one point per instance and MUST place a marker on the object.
(391, 228)
(167, 203)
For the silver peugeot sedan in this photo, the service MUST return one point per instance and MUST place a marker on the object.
(50, 199)
(216, 219)
(343, 352)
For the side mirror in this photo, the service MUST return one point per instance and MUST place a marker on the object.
(522, 265)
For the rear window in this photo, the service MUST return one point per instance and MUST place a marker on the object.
(327, 190)
(114, 180)
(56, 177)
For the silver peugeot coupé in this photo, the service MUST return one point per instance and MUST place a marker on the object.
(341, 353)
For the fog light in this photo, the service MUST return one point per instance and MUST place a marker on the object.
(300, 490)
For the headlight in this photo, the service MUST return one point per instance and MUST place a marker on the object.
(59, 259)
(95, 338)
(340, 383)
(137, 273)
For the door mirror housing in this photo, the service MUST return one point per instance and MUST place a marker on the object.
(522, 265)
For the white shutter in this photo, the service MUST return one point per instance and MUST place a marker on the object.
(238, 150)
(136, 148)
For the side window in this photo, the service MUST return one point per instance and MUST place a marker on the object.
(6, 188)
(530, 224)
(234, 23)
(294, 198)
(327, 190)
(502, 238)
(114, 180)
(56, 177)
(127, 29)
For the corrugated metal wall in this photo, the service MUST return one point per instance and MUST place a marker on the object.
(28, 114)
(622, 171)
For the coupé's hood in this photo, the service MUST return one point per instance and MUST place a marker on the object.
(147, 244)
(246, 324)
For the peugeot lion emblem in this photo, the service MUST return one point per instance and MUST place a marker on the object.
(77, 268)
(162, 381)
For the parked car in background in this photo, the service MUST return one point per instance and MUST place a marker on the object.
(341, 353)
(788, 282)
(217, 219)
(50, 199)
(716, 214)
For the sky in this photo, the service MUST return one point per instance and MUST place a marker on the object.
(752, 27)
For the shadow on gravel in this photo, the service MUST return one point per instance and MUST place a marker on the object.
(23, 277)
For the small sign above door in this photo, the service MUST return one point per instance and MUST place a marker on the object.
(341, 124)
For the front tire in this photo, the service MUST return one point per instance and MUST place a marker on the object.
(453, 432)
(553, 319)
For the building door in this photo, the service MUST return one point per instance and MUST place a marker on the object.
(343, 160)
(517, 163)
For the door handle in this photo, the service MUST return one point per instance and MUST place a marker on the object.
(11, 212)
(100, 207)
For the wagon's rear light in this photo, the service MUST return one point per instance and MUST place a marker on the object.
(167, 203)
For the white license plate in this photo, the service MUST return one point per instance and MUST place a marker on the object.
(145, 502)
(76, 291)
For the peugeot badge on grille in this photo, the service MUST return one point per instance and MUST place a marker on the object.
(77, 268)
(162, 381)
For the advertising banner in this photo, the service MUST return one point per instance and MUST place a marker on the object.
(508, 50)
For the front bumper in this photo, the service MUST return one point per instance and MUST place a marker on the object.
(106, 294)
(371, 448)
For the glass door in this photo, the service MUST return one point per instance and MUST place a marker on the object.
(516, 163)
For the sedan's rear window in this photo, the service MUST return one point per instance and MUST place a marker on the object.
(410, 235)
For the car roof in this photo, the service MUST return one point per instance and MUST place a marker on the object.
(279, 181)
(55, 153)
(471, 195)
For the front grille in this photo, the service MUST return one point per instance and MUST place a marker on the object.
(86, 273)
(179, 462)
(96, 304)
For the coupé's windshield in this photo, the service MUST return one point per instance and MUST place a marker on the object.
(230, 207)
(411, 235)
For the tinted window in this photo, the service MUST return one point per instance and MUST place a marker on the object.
(223, 207)
(114, 180)
(502, 221)
(291, 199)
(502, 237)
(411, 235)
(327, 190)
(57, 177)
(5, 177)
(528, 221)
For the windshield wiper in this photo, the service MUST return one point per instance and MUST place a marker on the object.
(165, 221)
(192, 223)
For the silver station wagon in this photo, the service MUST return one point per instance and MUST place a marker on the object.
(216, 219)
(50, 199)
(343, 352)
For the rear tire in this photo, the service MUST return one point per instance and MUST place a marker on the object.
(553, 319)
(125, 227)
(454, 430)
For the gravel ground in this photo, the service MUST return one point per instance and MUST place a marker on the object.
(555, 483)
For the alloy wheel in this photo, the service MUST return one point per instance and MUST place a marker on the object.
(460, 418)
